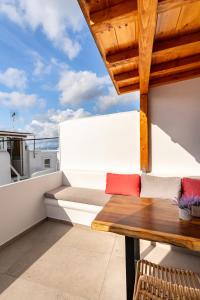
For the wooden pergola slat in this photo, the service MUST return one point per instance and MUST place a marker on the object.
(127, 75)
(176, 77)
(174, 66)
(123, 55)
(167, 79)
(129, 88)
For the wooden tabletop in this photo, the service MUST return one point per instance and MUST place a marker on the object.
(149, 219)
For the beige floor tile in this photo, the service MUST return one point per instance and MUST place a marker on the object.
(49, 232)
(21, 289)
(38, 253)
(87, 239)
(76, 271)
(114, 286)
(46, 233)
(13, 253)
(5, 282)
(119, 247)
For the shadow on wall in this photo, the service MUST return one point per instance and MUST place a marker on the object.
(175, 109)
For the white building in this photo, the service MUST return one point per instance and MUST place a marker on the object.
(19, 162)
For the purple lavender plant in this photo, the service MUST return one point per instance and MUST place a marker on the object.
(187, 202)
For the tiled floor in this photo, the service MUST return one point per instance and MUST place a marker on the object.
(59, 262)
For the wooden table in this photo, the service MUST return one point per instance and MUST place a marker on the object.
(148, 219)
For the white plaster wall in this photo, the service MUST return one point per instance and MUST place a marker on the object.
(36, 163)
(175, 119)
(101, 143)
(22, 204)
(5, 174)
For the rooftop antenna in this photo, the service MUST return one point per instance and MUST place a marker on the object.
(13, 116)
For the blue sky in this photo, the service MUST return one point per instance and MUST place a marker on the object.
(50, 68)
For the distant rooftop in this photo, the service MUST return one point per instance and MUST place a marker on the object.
(14, 133)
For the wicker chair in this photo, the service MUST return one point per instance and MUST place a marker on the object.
(154, 282)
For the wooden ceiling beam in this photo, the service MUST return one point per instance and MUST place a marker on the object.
(180, 65)
(144, 133)
(147, 19)
(176, 42)
(129, 88)
(179, 76)
(122, 56)
(127, 75)
(175, 66)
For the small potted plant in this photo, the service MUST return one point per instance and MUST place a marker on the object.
(184, 205)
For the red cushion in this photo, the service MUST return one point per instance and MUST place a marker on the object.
(123, 184)
(191, 187)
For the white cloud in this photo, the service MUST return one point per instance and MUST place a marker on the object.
(60, 65)
(9, 9)
(13, 78)
(47, 126)
(58, 115)
(76, 87)
(40, 68)
(20, 100)
(42, 129)
(57, 19)
(112, 98)
(44, 67)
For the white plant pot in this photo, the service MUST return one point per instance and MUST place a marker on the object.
(184, 214)
(195, 212)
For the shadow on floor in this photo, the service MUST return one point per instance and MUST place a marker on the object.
(187, 260)
(19, 255)
(145, 252)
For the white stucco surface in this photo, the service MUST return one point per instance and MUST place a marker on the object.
(5, 173)
(101, 143)
(35, 163)
(175, 128)
(22, 204)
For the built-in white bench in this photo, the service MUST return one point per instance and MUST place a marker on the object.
(75, 204)
(79, 199)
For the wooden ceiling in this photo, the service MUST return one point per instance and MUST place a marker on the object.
(146, 43)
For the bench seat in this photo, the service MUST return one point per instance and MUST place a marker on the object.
(75, 204)
(80, 195)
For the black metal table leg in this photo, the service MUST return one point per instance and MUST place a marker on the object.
(132, 248)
